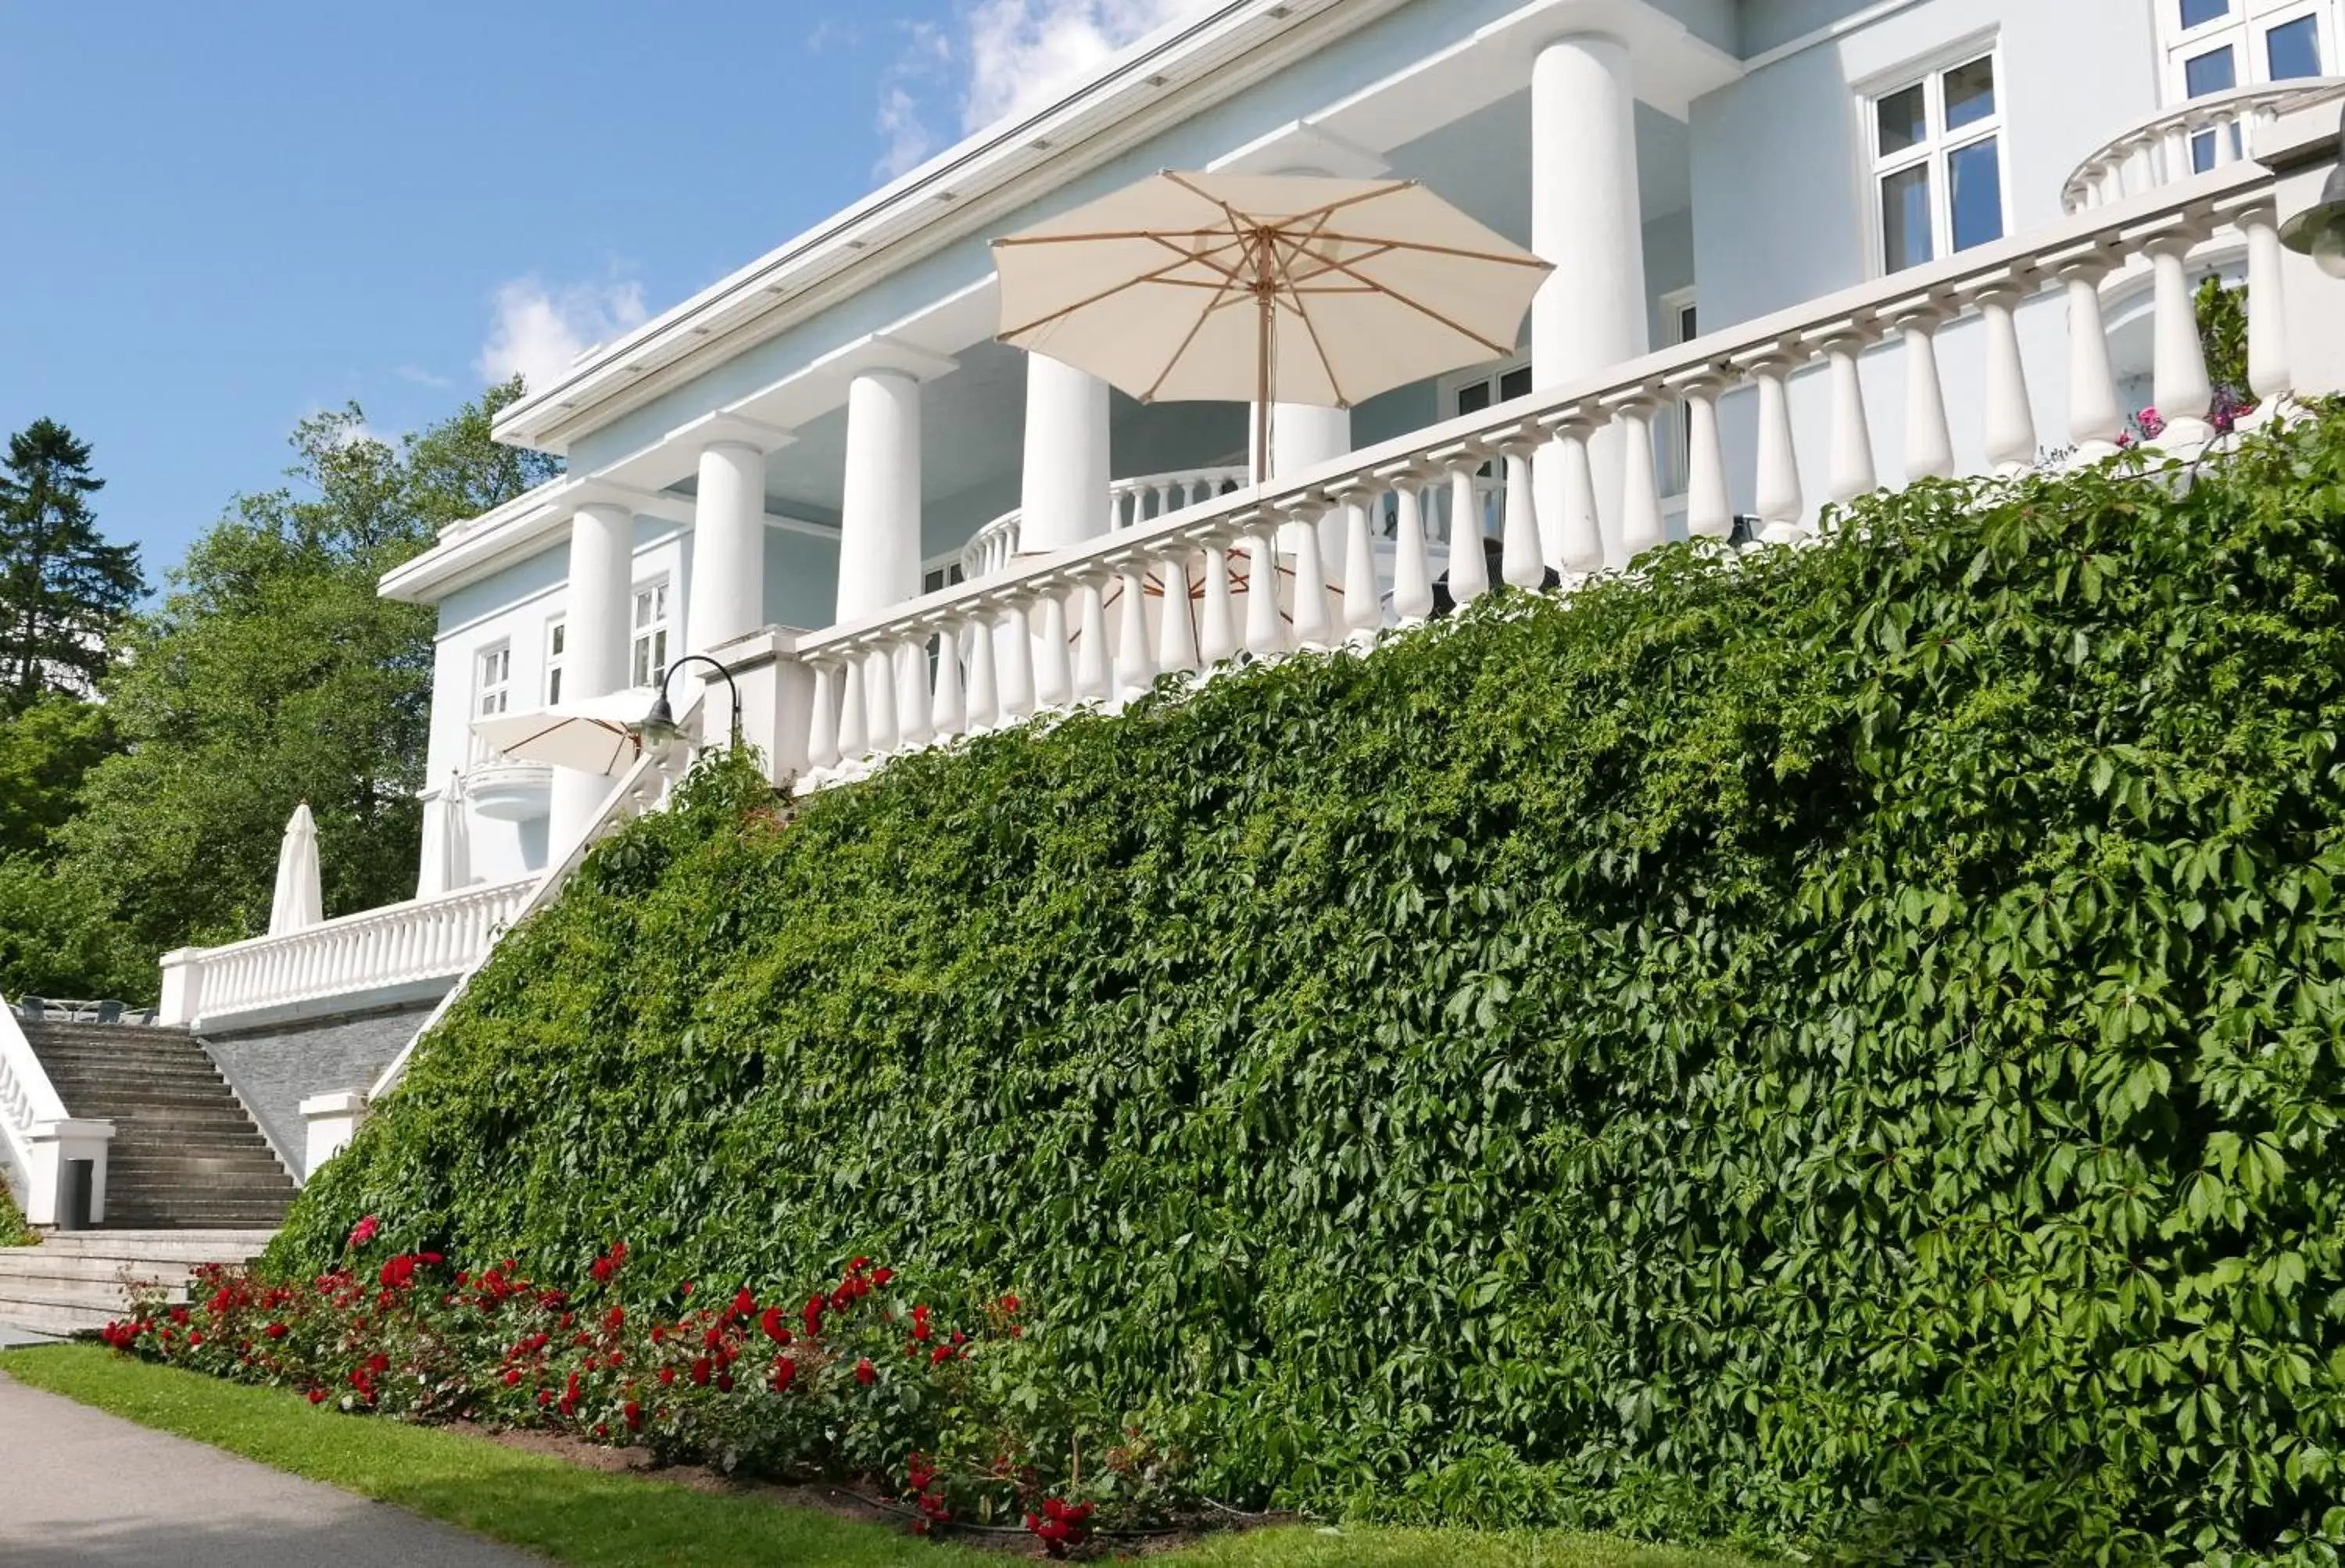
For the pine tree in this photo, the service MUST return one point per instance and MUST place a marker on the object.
(63, 589)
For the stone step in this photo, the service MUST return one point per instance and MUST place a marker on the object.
(197, 1213)
(232, 1243)
(111, 1297)
(34, 1270)
(60, 1321)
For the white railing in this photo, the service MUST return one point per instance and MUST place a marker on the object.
(379, 949)
(1186, 590)
(1131, 502)
(39, 1138)
(2165, 148)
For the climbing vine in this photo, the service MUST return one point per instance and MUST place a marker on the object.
(1841, 1049)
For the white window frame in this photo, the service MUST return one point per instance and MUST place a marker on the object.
(1937, 145)
(2244, 27)
(1677, 430)
(492, 691)
(939, 573)
(557, 639)
(649, 642)
(1494, 371)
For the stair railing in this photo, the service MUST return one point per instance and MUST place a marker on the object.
(41, 1139)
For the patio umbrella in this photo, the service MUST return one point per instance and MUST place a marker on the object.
(455, 835)
(597, 734)
(297, 903)
(1266, 288)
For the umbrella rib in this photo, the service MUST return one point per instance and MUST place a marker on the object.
(1497, 349)
(1309, 326)
(1310, 214)
(1173, 360)
(1422, 248)
(1156, 277)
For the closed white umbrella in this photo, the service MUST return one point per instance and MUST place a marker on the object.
(297, 903)
(1266, 288)
(455, 835)
(600, 735)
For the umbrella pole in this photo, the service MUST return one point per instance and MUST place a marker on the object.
(1266, 313)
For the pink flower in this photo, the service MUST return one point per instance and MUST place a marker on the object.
(364, 1230)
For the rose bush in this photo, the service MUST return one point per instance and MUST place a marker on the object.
(856, 1380)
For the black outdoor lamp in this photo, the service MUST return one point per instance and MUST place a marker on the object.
(659, 724)
(2319, 231)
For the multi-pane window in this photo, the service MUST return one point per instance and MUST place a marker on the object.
(1937, 163)
(647, 659)
(555, 639)
(1501, 386)
(2214, 45)
(1680, 323)
(492, 681)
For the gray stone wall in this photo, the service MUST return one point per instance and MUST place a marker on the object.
(275, 1068)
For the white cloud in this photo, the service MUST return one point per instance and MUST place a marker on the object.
(1024, 53)
(537, 331)
(421, 377)
(923, 67)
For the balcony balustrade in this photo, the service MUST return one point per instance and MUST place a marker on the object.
(2187, 140)
(1300, 563)
(1131, 502)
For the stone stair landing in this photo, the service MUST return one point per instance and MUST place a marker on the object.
(185, 1154)
(77, 1282)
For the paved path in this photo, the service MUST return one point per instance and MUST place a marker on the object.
(81, 1489)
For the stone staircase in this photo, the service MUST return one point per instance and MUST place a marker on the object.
(185, 1154)
(77, 1282)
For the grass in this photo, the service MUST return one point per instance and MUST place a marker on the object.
(586, 1518)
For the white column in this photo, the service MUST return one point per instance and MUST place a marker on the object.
(1851, 473)
(1779, 497)
(728, 548)
(2010, 420)
(1709, 513)
(2095, 419)
(1064, 496)
(594, 646)
(1588, 219)
(879, 523)
(2179, 375)
(1929, 440)
(2269, 376)
(1640, 492)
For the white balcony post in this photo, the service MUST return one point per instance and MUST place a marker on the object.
(1587, 220)
(2179, 377)
(330, 1122)
(1851, 471)
(1780, 500)
(1063, 497)
(1641, 489)
(880, 518)
(1055, 677)
(1411, 562)
(1265, 633)
(2096, 418)
(1313, 619)
(1363, 610)
(1094, 666)
(1176, 633)
(1135, 668)
(1016, 673)
(822, 731)
(1929, 438)
(854, 713)
(1522, 559)
(183, 978)
(915, 707)
(1468, 566)
(948, 708)
(1579, 524)
(594, 646)
(984, 689)
(1710, 514)
(879, 689)
(2269, 376)
(1217, 625)
(2008, 415)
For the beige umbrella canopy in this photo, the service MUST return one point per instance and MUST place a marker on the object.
(297, 904)
(599, 735)
(1265, 288)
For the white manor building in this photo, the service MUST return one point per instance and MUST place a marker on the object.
(1802, 249)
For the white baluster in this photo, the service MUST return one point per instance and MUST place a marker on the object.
(1851, 471)
(1469, 563)
(2183, 392)
(1217, 622)
(1135, 668)
(854, 722)
(1640, 490)
(2269, 376)
(1780, 499)
(1411, 562)
(2096, 419)
(1016, 668)
(822, 734)
(2226, 127)
(1929, 440)
(879, 691)
(1265, 632)
(1176, 633)
(1578, 532)
(1521, 560)
(1363, 610)
(2010, 421)
(1054, 676)
(984, 690)
(1094, 669)
(1313, 621)
(1709, 512)
(914, 702)
(947, 708)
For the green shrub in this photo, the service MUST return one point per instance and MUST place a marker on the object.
(1840, 1048)
(13, 1231)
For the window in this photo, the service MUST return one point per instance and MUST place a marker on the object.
(554, 648)
(1680, 324)
(1477, 392)
(939, 574)
(1937, 163)
(492, 681)
(2214, 45)
(647, 657)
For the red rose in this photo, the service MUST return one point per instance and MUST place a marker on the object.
(865, 1372)
(743, 1303)
(812, 1315)
(667, 1376)
(513, 1377)
(770, 1321)
(364, 1230)
(784, 1370)
(919, 1322)
(275, 1331)
(634, 1412)
(881, 1276)
(317, 1396)
(700, 1370)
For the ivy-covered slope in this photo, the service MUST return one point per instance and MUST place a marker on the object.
(1844, 1047)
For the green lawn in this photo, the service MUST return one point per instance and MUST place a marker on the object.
(582, 1517)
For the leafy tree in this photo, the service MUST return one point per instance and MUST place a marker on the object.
(64, 590)
(272, 672)
(44, 750)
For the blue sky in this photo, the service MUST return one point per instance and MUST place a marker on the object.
(214, 219)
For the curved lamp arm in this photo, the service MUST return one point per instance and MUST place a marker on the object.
(659, 724)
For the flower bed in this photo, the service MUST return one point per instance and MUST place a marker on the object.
(854, 1381)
